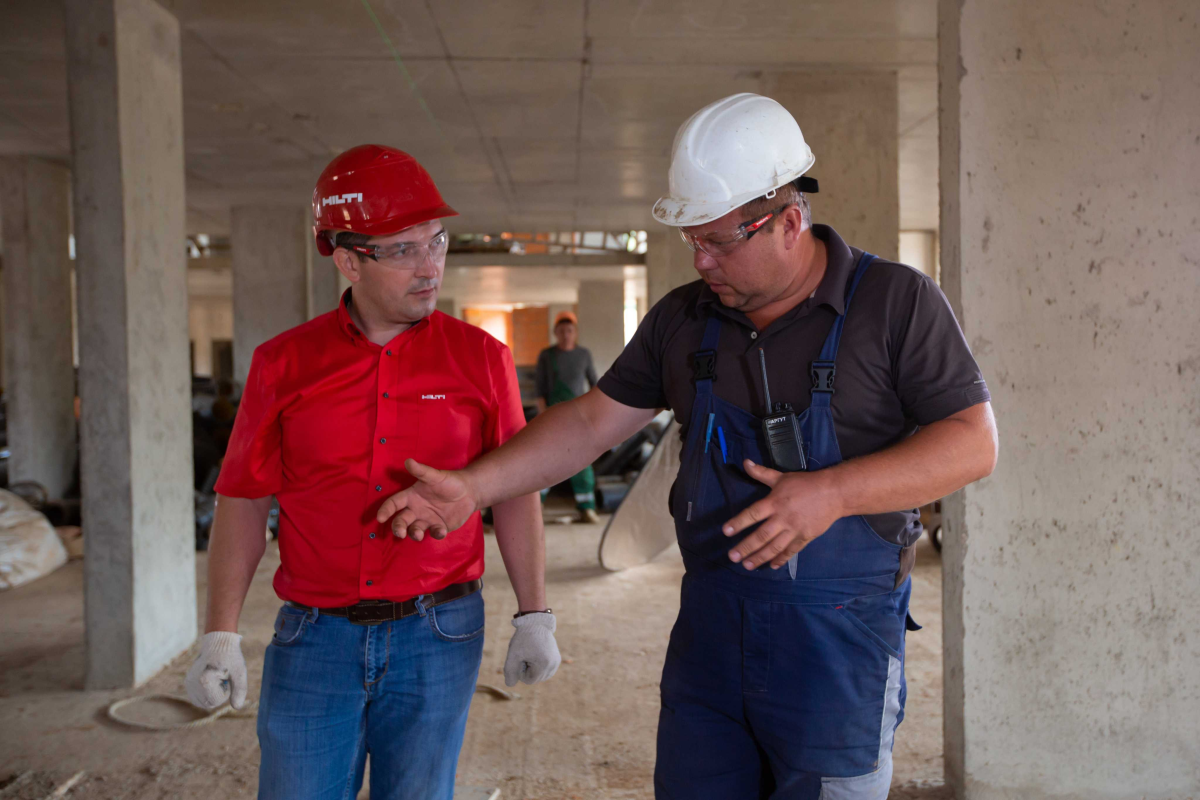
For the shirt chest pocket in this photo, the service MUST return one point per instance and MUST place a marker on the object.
(439, 432)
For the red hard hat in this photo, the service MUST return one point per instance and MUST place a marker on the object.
(374, 190)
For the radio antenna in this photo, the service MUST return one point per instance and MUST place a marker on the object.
(762, 360)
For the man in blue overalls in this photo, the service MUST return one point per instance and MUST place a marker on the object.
(785, 671)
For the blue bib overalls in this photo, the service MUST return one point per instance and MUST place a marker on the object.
(783, 683)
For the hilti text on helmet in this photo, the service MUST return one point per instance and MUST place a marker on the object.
(339, 199)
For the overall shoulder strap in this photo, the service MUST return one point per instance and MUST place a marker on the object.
(704, 360)
(824, 368)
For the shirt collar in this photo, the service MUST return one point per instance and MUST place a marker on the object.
(831, 291)
(346, 323)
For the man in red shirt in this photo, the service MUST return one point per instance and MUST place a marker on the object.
(378, 644)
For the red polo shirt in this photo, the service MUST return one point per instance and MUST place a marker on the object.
(326, 421)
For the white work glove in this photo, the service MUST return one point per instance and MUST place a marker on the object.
(532, 652)
(219, 673)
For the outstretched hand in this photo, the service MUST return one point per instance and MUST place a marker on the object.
(439, 502)
(800, 507)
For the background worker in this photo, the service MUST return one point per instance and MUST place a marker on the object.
(565, 371)
(784, 674)
(378, 644)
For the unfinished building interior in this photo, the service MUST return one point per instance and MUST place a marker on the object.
(1039, 161)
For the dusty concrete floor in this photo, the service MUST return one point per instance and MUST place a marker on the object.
(588, 733)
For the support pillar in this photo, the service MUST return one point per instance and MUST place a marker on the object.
(271, 292)
(850, 121)
(1070, 146)
(323, 294)
(126, 109)
(602, 321)
(668, 262)
(39, 385)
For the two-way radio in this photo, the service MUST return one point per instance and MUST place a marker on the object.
(781, 430)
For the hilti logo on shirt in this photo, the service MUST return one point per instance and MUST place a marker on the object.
(339, 199)
(433, 397)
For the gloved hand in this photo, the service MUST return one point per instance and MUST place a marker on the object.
(532, 652)
(219, 673)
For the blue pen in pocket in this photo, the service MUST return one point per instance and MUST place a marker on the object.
(708, 433)
(724, 450)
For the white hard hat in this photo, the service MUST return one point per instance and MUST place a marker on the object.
(729, 153)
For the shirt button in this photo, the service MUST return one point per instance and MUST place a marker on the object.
(385, 394)
(753, 334)
(369, 583)
(383, 441)
(389, 352)
(371, 535)
(379, 488)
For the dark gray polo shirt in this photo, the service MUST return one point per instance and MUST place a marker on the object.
(573, 367)
(903, 361)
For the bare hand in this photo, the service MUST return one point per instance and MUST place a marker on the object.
(440, 501)
(800, 507)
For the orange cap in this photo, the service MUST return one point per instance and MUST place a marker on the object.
(565, 316)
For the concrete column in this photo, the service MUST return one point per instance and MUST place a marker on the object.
(126, 108)
(602, 321)
(38, 367)
(1070, 146)
(850, 122)
(668, 262)
(270, 247)
(322, 278)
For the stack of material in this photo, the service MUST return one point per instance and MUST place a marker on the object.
(29, 546)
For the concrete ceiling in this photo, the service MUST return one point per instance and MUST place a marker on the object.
(531, 115)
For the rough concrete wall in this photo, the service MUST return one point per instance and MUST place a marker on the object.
(127, 146)
(668, 262)
(270, 276)
(40, 387)
(1070, 155)
(322, 279)
(850, 122)
(602, 321)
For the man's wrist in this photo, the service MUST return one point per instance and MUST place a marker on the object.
(832, 486)
(533, 611)
(475, 488)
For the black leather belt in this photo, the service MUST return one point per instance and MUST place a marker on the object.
(373, 612)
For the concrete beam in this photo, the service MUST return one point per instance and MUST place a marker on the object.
(39, 373)
(1069, 156)
(272, 249)
(613, 259)
(850, 120)
(126, 106)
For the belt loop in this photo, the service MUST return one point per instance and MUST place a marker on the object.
(314, 612)
(419, 602)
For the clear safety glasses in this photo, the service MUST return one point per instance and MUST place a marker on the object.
(718, 245)
(405, 255)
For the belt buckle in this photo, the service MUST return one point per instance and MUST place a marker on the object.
(369, 612)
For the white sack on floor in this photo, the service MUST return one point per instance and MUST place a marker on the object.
(642, 527)
(29, 547)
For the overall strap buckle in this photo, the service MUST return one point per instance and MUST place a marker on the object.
(704, 365)
(823, 373)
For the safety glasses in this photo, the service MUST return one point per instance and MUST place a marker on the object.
(718, 245)
(404, 255)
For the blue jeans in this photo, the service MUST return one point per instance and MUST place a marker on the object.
(332, 692)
